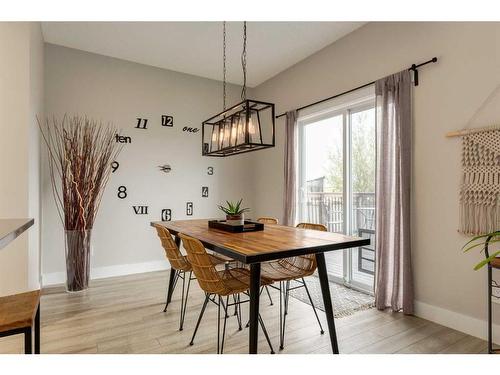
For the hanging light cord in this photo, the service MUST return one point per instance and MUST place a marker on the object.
(244, 62)
(224, 65)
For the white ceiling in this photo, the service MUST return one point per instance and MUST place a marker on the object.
(196, 47)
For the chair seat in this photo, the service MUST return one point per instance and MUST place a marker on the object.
(18, 310)
(237, 280)
(495, 263)
(282, 271)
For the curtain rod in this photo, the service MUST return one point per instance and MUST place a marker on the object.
(415, 81)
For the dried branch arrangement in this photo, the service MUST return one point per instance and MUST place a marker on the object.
(80, 153)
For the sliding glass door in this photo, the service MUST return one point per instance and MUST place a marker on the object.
(337, 184)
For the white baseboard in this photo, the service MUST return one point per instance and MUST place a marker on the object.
(463, 323)
(56, 278)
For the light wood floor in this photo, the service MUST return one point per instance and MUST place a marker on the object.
(124, 315)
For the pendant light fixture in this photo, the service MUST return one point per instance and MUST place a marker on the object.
(244, 127)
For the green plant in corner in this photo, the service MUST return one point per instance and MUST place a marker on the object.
(481, 242)
(233, 209)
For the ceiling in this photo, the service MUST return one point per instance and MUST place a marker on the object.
(196, 47)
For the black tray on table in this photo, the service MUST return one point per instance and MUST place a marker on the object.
(248, 226)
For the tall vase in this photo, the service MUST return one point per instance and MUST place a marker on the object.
(77, 259)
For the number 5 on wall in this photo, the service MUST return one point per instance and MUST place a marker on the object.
(189, 208)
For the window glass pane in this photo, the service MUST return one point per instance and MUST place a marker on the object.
(323, 185)
(363, 193)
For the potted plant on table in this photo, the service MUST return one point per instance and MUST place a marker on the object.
(80, 153)
(235, 214)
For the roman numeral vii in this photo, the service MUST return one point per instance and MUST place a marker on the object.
(140, 210)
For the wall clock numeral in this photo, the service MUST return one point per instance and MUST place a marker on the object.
(122, 192)
(210, 171)
(142, 123)
(205, 148)
(167, 120)
(114, 166)
(140, 210)
(166, 214)
(189, 208)
(122, 139)
(190, 130)
(204, 191)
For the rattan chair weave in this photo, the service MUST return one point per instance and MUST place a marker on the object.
(174, 256)
(177, 260)
(222, 283)
(294, 267)
(312, 226)
(267, 220)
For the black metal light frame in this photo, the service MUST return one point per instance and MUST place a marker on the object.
(241, 111)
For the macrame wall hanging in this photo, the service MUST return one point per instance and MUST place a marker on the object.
(480, 185)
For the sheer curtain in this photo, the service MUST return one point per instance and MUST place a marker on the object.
(393, 279)
(290, 164)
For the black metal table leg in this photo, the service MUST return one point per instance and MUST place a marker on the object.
(28, 349)
(254, 307)
(37, 330)
(327, 300)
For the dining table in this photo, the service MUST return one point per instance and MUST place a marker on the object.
(272, 243)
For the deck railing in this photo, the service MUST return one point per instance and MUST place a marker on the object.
(328, 209)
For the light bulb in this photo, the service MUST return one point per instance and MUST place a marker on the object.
(251, 128)
(226, 135)
(233, 134)
(240, 130)
(221, 136)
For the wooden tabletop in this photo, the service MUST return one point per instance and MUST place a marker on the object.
(18, 310)
(10, 229)
(274, 242)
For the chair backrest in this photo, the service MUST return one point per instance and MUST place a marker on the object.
(174, 256)
(312, 226)
(204, 270)
(308, 262)
(267, 220)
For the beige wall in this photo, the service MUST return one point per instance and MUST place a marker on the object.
(115, 90)
(21, 98)
(448, 95)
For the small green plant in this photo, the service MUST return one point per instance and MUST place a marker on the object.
(475, 243)
(233, 209)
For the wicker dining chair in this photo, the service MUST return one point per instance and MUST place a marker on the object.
(182, 269)
(218, 287)
(267, 220)
(292, 269)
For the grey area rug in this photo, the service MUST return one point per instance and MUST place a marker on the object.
(345, 301)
